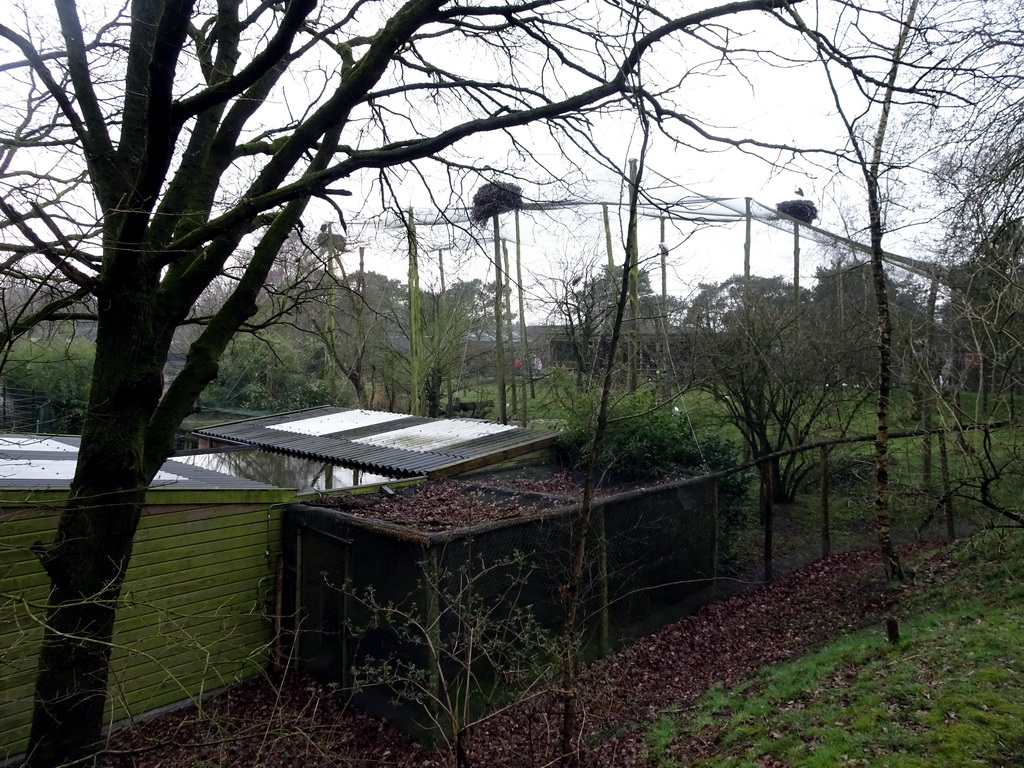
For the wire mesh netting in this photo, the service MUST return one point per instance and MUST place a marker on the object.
(419, 624)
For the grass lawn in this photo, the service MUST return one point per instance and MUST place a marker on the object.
(950, 692)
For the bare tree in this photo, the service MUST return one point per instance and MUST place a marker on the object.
(780, 374)
(583, 308)
(872, 152)
(979, 178)
(935, 63)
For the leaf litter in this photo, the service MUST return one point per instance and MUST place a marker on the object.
(299, 721)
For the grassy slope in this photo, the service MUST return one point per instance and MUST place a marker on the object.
(949, 693)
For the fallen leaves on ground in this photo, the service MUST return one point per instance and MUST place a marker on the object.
(305, 723)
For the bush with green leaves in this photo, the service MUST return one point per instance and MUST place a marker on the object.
(274, 372)
(646, 439)
(54, 374)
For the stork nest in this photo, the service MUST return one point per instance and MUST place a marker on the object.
(804, 210)
(493, 198)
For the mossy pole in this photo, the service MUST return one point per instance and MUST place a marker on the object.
(524, 346)
(499, 344)
(444, 299)
(664, 267)
(826, 532)
(608, 244)
(330, 366)
(667, 366)
(796, 264)
(507, 293)
(440, 269)
(608, 239)
(415, 346)
(632, 244)
(357, 308)
(746, 243)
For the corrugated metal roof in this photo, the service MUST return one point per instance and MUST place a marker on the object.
(33, 461)
(390, 444)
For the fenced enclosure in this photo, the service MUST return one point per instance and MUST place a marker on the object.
(416, 624)
(974, 485)
(25, 410)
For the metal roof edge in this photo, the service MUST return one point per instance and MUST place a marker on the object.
(326, 520)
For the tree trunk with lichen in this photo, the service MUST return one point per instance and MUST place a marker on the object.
(872, 174)
(883, 520)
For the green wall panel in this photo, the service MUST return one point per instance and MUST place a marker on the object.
(192, 615)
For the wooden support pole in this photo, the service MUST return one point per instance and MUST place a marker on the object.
(499, 324)
(666, 364)
(608, 239)
(796, 265)
(330, 352)
(826, 528)
(415, 341)
(526, 373)
(360, 318)
(449, 394)
(746, 244)
(507, 293)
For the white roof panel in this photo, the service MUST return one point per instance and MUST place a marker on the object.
(395, 445)
(32, 443)
(336, 422)
(436, 435)
(57, 469)
(44, 461)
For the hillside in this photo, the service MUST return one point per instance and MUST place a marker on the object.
(798, 673)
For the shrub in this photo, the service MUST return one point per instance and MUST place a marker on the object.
(58, 371)
(275, 373)
(647, 440)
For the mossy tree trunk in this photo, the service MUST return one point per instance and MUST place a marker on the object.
(128, 433)
(872, 176)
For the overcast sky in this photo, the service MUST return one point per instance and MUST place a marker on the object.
(775, 101)
(788, 106)
(766, 96)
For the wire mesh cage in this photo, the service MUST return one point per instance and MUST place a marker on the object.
(411, 622)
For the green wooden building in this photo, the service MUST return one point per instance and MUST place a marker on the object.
(197, 607)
